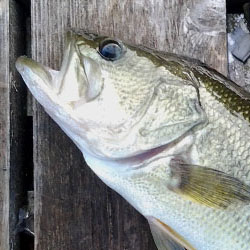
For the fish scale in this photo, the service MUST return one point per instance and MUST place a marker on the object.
(191, 218)
(233, 135)
(166, 132)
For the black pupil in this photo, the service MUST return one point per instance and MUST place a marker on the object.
(111, 50)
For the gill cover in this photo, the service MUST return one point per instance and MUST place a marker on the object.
(114, 108)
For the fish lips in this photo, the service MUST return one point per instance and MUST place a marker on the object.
(79, 79)
(38, 79)
(80, 76)
(59, 91)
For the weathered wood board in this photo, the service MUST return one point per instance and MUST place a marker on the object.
(20, 145)
(73, 208)
(4, 127)
(13, 121)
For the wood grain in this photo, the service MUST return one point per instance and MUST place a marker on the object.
(4, 126)
(73, 208)
(12, 123)
(19, 143)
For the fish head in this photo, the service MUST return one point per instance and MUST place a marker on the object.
(112, 99)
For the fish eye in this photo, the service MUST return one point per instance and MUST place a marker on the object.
(111, 50)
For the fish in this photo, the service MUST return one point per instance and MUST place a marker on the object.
(166, 132)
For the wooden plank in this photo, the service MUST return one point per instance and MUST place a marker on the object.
(73, 208)
(4, 126)
(12, 123)
(20, 141)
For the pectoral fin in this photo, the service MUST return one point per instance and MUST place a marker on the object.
(206, 186)
(165, 237)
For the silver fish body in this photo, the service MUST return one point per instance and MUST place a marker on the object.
(169, 134)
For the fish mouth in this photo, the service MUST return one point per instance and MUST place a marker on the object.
(43, 84)
(38, 79)
(79, 78)
(62, 92)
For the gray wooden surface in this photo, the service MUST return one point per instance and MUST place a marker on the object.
(73, 208)
(19, 141)
(13, 122)
(4, 126)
